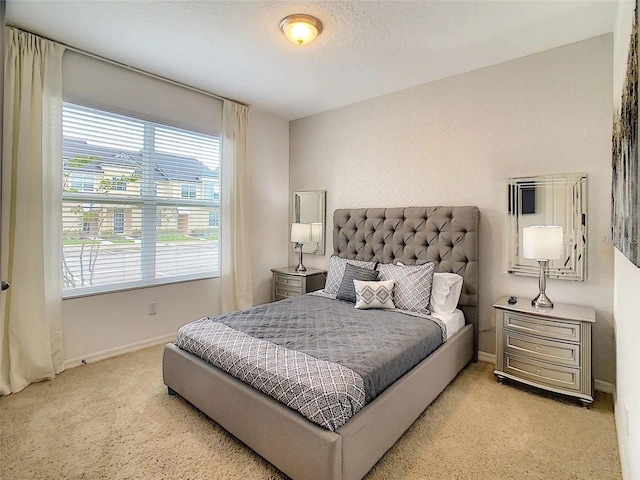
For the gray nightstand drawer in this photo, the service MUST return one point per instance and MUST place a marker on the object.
(539, 349)
(288, 281)
(565, 378)
(285, 292)
(555, 329)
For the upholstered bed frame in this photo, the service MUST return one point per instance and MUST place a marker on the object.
(303, 450)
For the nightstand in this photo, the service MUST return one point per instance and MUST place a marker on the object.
(286, 282)
(548, 348)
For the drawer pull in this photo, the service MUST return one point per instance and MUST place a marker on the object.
(538, 371)
(538, 348)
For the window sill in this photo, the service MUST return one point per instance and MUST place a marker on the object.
(73, 296)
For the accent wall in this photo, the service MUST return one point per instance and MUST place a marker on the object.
(456, 141)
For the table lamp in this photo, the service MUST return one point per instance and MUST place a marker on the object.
(542, 243)
(300, 234)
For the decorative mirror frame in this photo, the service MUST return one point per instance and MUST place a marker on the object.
(313, 211)
(522, 193)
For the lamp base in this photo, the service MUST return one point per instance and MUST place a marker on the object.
(300, 267)
(542, 301)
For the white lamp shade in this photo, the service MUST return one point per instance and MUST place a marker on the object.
(300, 232)
(316, 232)
(542, 242)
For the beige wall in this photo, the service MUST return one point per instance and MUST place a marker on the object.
(626, 301)
(269, 149)
(456, 141)
(105, 325)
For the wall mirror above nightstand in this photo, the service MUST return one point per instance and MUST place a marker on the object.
(309, 207)
(559, 199)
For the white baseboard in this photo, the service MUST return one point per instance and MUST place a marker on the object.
(487, 357)
(114, 352)
(599, 385)
(602, 386)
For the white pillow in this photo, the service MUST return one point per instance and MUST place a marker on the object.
(445, 293)
(374, 294)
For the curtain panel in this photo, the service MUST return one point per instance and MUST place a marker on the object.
(31, 346)
(236, 290)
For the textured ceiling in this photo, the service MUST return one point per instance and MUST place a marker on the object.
(367, 48)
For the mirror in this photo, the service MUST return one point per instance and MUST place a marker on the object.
(309, 207)
(549, 200)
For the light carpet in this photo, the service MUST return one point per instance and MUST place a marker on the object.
(114, 420)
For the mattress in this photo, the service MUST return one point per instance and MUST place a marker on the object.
(453, 321)
(378, 345)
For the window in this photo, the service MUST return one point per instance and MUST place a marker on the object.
(209, 191)
(81, 182)
(214, 218)
(130, 212)
(188, 191)
(119, 183)
(118, 220)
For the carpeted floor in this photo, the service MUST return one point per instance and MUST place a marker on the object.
(114, 420)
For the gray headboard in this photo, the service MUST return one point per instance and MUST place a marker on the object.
(447, 236)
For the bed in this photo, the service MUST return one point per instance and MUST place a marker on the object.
(447, 236)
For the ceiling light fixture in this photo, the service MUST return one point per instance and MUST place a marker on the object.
(300, 29)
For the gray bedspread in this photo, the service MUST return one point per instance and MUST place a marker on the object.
(378, 345)
(326, 393)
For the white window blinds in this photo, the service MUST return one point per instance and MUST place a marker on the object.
(140, 202)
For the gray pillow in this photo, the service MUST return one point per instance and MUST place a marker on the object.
(412, 290)
(336, 272)
(347, 289)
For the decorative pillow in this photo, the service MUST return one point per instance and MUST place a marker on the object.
(347, 291)
(445, 293)
(412, 290)
(336, 272)
(374, 294)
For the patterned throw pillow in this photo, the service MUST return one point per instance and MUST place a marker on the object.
(445, 291)
(347, 291)
(412, 290)
(336, 272)
(374, 294)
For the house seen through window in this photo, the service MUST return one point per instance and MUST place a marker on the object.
(132, 213)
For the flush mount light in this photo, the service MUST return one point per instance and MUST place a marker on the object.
(300, 29)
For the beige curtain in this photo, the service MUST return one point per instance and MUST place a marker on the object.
(236, 290)
(30, 312)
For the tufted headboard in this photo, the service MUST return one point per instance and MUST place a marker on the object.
(416, 235)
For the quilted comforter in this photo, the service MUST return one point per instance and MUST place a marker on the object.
(319, 356)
